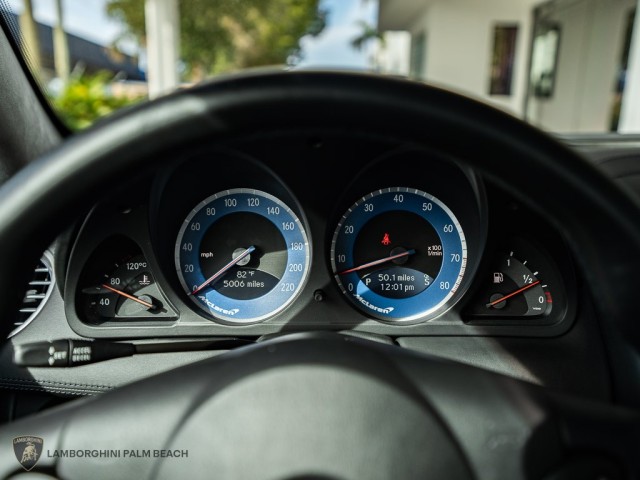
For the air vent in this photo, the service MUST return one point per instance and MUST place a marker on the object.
(37, 293)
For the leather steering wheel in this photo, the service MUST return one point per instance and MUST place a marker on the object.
(324, 405)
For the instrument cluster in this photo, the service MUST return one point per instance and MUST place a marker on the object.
(251, 239)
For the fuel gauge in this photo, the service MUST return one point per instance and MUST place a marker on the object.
(512, 288)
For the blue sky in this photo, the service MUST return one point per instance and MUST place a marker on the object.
(86, 18)
(333, 47)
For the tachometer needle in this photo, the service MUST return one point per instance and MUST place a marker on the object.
(130, 297)
(224, 269)
(520, 290)
(378, 262)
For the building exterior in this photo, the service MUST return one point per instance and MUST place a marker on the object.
(560, 64)
(392, 55)
(89, 56)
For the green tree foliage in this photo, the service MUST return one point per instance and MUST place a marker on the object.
(224, 35)
(86, 98)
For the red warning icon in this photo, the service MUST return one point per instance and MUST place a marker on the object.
(386, 240)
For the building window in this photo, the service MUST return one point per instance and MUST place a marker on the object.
(503, 59)
(621, 74)
(544, 59)
(418, 56)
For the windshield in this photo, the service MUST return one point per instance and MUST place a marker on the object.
(566, 66)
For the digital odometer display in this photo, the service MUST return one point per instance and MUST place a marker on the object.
(242, 255)
(399, 254)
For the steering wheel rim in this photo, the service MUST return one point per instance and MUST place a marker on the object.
(328, 406)
(37, 201)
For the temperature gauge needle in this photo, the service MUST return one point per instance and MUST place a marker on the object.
(378, 262)
(224, 269)
(130, 297)
(520, 290)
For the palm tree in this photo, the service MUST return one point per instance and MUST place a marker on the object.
(367, 34)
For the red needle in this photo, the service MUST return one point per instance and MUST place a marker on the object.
(520, 290)
(378, 262)
(219, 273)
(130, 297)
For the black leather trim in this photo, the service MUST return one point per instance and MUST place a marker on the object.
(27, 129)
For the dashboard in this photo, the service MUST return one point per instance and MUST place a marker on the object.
(297, 232)
(133, 230)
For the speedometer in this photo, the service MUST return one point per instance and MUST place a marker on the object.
(399, 254)
(242, 255)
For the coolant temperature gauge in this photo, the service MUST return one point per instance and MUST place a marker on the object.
(125, 291)
(513, 288)
(117, 284)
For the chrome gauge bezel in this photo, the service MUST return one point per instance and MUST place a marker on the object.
(273, 302)
(359, 296)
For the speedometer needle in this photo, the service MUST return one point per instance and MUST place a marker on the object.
(520, 290)
(224, 269)
(130, 297)
(378, 262)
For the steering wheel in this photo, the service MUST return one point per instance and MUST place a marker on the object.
(326, 406)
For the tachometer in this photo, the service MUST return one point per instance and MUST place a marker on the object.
(399, 254)
(242, 255)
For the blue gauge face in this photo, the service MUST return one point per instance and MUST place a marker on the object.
(242, 256)
(399, 255)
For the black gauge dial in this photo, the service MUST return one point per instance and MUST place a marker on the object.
(117, 285)
(513, 288)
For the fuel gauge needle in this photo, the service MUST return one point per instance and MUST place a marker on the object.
(130, 297)
(224, 269)
(520, 290)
